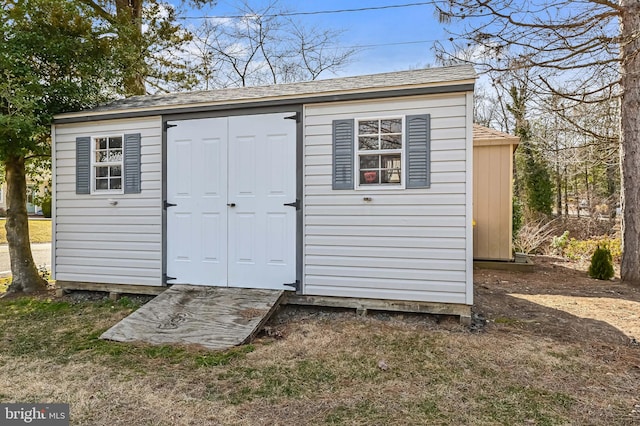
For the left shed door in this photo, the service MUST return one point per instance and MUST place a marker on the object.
(197, 224)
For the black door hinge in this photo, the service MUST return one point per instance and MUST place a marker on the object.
(295, 285)
(166, 278)
(295, 204)
(295, 116)
(167, 125)
(167, 204)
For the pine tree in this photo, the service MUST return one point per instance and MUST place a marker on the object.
(601, 267)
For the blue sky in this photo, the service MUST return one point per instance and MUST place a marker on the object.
(381, 28)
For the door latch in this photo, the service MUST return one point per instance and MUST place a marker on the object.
(295, 204)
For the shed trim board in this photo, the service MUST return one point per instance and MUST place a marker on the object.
(366, 242)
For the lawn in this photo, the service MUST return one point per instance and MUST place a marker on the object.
(39, 231)
(530, 364)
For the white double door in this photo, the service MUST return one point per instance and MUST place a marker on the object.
(230, 179)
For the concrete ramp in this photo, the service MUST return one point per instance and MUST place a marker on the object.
(214, 317)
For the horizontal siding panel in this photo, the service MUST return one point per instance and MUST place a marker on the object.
(102, 261)
(326, 289)
(134, 274)
(383, 210)
(386, 262)
(398, 231)
(377, 198)
(118, 213)
(97, 230)
(108, 254)
(412, 279)
(99, 238)
(147, 185)
(385, 241)
(109, 221)
(108, 278)
(108, 246)
(449, 155)
(409, 221)
(104, 203)
(443, 107)
(408, 253)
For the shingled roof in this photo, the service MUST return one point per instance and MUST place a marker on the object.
(316, 90)
(486, 136)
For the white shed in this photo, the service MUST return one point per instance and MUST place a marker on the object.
(346, 189)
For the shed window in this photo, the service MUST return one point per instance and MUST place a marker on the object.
(385, 153)
(380, 152)
(107, 164)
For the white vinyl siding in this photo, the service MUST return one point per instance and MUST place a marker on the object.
(96, 241)
(404, 244)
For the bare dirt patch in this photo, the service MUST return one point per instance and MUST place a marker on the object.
(559, 301)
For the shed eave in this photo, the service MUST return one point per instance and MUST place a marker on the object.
(294, 99)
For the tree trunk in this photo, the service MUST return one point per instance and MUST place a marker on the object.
(630, 140)
(129, 15)
(566, 192)
(23, 269)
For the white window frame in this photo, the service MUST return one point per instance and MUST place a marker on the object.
(95, 164)
(358, 152)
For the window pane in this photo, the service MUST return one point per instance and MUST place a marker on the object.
(391, 141)
(101, 156)
(102, 184)
(101, 143)
(115, 142)
(368, 177)
(115, 155)
(391, 126)
(367, 143)
(391, 176)
(368, 127)
(115, 171)
(102, 172)
(391, 161)
(370, 162)
(115, 183)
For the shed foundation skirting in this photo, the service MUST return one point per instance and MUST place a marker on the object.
(361, 305)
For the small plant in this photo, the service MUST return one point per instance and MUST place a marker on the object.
(601, 264)
(559, 244)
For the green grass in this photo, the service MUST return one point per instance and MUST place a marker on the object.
(39, 231)
(63, 330)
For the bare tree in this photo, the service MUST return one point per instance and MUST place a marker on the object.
(262, 47)
(584, 52)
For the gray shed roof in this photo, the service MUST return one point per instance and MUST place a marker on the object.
(434, 80)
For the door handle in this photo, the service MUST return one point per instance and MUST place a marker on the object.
(231, 204)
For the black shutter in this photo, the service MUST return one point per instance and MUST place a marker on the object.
(132, 163)
(418, 152)
(83, 165)
(343, 154)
